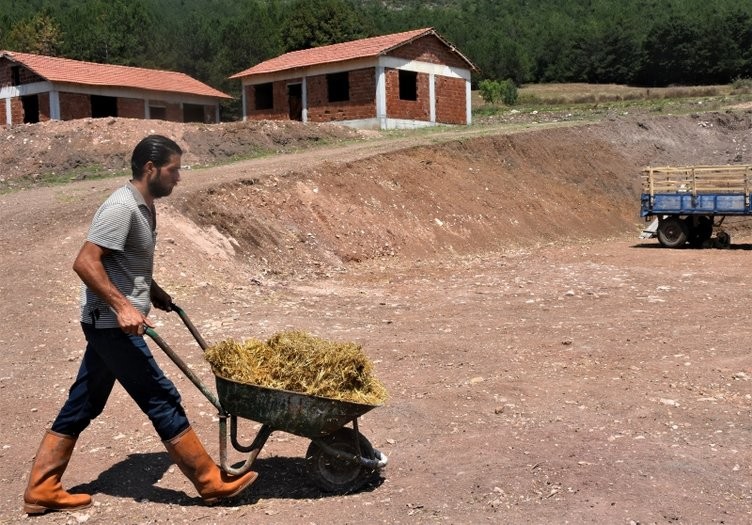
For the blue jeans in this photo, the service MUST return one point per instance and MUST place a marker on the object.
(111, 355)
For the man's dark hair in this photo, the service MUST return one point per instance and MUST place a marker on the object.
(155, 148)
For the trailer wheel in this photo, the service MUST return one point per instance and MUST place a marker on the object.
(723, 240)
(337, 475)
(673, 232)
(700, 230)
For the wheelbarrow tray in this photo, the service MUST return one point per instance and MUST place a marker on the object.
(300, 414)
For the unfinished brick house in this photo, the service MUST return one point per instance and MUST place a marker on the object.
(402, 80)
(37, 88)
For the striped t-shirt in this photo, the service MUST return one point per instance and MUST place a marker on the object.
(125, 225)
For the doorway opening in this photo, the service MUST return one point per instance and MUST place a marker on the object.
(102, 106)
(30, 105)
(295, 101)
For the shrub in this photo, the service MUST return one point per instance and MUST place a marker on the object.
(490, 91)
(508, 92)
(493, 91)
(742, 85)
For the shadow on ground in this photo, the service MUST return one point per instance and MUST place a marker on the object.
(136, 477)
(656, 245)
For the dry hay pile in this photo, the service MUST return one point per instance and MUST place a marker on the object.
(299, 362)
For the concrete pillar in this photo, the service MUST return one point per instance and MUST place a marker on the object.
(432, 96)
(54, 105)
(381, 115)
(304, 96)
(469, 102)
(245, 102)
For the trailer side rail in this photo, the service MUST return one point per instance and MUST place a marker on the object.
(697, 179)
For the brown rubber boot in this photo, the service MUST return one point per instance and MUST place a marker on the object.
(45, 491)
(210, 481)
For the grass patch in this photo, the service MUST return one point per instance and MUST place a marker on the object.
(92, 172)
(587, 101)
(254, 153)
(237, 157)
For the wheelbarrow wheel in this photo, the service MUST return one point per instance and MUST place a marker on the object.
(339, 475)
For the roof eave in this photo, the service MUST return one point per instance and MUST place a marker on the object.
(301, 70)
(428, 31)
(136, 88)
(10, 56)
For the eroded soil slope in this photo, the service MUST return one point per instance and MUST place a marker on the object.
(466, 195)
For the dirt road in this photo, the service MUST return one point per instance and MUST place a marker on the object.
(544, 365)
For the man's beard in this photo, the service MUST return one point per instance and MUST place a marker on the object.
(156, 188)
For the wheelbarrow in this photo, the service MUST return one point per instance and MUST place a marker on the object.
(339, 458)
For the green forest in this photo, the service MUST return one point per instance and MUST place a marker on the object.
(636, 42)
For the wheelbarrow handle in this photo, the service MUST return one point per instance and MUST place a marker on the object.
(191, 327)
(175, 358)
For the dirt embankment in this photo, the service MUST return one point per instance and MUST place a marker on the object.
(364, 197)
(80, 148)
(466, 195)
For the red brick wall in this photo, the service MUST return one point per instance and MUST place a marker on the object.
(174, 113)
(44, 106)
(419, 109)
(362, 103)
(77, 105)
(280, 111)
(429, 49)
(74, 105)
(16, 106)
(16, 111)
(27, 77)
(5, 77)
(451, 107)
(130, 108)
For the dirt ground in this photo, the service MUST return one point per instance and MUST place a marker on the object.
(544, 364)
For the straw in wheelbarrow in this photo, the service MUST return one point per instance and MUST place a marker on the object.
(300, 362)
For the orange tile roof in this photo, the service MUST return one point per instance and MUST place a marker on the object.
(364, 48)
(55, 69)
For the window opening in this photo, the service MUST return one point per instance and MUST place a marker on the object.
(264, 96)
(338, 86)
(158, 112)
(193, 113)
(408, 85)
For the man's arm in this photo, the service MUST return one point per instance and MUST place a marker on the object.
(88, 265)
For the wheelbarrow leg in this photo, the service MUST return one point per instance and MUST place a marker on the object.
(253, 449)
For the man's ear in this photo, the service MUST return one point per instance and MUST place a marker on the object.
(149, 168)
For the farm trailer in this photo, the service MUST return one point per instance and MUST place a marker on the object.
(688, 203)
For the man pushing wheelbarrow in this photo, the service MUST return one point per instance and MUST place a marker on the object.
(115, 265)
